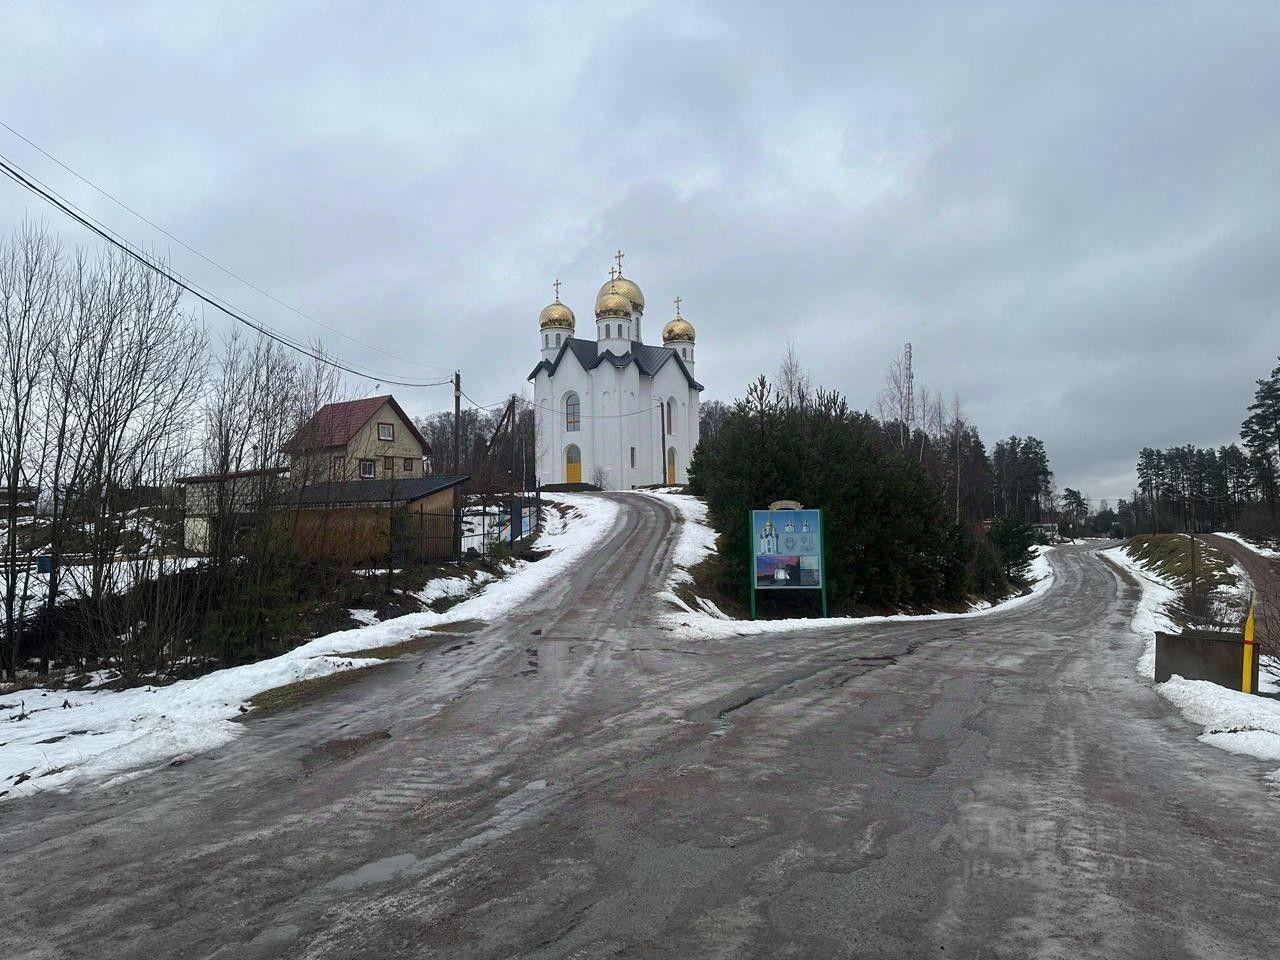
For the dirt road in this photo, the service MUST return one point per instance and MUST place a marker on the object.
(574, 782)
(1266, 582)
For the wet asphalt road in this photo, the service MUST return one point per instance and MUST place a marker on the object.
(995, 787)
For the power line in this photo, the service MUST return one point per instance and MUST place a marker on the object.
(598, 416)
(29, 182)
(487, 406)
(560, 410)
(229, 272)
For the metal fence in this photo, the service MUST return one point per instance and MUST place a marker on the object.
(482, 526)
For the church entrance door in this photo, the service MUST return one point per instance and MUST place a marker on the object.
(572, 464)
(671, 465)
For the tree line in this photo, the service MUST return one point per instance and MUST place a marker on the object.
(1200, 489)
(485, 452)
(916, 511)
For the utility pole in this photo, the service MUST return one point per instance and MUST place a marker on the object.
(1195, 603)
(457, 464)
(457, 418)
(511, 431)
(662, 448)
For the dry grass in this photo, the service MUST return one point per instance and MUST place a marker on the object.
(279, 699)
(1169, 555)
(290, 695)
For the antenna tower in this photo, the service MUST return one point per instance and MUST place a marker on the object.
(911, 386)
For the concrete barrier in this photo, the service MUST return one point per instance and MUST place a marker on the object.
(1204, 655)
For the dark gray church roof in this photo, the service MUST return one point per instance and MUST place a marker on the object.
(650, 359)
(399, 490)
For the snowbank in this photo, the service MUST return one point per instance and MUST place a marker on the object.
(1234, 721)
(1262, 551)
(54, 739)
(1149, 616)
(697, 541)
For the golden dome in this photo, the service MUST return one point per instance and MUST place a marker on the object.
(678, 330)
(611, 304)
(556, 315)
(625, 287)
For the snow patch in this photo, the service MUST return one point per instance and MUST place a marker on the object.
(697, 540)
(1239, 722)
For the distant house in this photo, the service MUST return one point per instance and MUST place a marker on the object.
(226, 498)
(20, 500)
(369, 439)
(1046, 531)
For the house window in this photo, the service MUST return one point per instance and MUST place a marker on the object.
(386, 431)
(633, 458)
(367, 469)
(408, 465)
(389, 465)
(572, 412)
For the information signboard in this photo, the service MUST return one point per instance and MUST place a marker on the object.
(786, 547)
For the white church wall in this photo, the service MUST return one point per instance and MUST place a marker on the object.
(670, 384)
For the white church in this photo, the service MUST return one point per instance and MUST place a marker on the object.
(613, 410)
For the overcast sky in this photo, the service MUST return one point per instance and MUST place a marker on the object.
(1071, 211)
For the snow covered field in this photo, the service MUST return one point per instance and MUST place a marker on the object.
(57, 738)
(707, 622)
(1231, 720)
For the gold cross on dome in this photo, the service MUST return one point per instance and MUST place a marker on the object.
(618, 256)
(557, 286)
(677, 306)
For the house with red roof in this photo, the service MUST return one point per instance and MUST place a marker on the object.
(368, 439)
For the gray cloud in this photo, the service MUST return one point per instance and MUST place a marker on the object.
(1070, 210)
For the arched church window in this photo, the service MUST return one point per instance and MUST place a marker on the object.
(671, 416)
(572, 412)
(546, 339)
(684, 352)
(557, 339)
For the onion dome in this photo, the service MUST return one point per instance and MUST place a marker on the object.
(626, 288)
(610, 303)
(678, 330)
(556, 315)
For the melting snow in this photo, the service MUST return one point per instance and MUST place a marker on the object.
(57, 738)
(696, 541)
(1238, 722)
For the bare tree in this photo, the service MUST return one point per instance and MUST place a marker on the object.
(793, 384)
(895, 405)
(31, 300)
